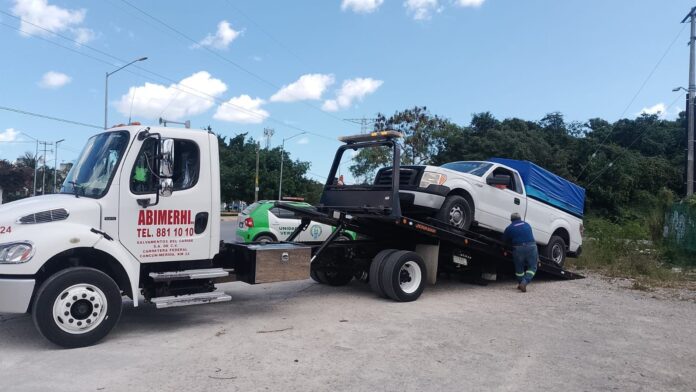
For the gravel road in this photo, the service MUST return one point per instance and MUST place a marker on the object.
(583, 335)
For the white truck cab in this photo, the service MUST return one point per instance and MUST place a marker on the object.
(139, 200)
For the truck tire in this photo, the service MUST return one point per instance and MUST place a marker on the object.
(314, 276)
(456, 212)
(404, 276)
(335, 277)
(265, 238)
(556, 250)
(77, 307)
(375, 274)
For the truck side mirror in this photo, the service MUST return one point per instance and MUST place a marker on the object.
(498, 179)
(166, 164)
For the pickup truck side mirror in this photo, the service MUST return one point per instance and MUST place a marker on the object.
(499, 179)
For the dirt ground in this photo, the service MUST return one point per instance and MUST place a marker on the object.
(582, 335)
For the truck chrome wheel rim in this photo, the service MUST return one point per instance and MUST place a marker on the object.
(557, 254)
(410, 277)
(456, 216)
(79, 308)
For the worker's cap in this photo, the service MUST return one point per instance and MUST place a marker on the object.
(515, 216)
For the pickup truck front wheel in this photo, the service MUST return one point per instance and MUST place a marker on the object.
(77, 307)
(457, 212)
(556, 250)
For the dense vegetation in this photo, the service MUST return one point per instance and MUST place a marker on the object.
(628, 167)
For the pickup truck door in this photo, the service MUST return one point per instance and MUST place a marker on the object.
(178, 227)
(501, 203)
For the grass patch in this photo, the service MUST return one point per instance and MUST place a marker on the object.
(624, 250)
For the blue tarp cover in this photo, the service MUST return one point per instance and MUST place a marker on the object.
(547, 187)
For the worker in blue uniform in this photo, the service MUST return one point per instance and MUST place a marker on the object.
(525, 254)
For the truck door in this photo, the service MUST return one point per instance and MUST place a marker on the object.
(504, 200)
(175, 227)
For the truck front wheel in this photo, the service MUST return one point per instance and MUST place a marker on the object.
(556, 250)
(77, 307)
(456, 211)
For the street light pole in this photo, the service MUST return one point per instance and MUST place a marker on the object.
(106, 88)
(55, 167)
(282, 158)
(690, 110)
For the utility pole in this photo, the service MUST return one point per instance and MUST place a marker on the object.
(363, 122)
(256, 185)
(692, 92)
(268, 134)
(36, 166)
(55, 167)
(43, 177)
(282, 158)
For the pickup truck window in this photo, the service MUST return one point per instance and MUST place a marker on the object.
(475, 168)
(515, 184)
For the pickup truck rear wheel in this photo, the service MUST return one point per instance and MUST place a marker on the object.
(456, 211)
(404, 276)
(556, 250)
(77, 307)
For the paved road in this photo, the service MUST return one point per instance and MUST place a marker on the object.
(584, 335)
(227, 229)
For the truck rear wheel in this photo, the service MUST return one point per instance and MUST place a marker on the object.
(77, 307)
(556, 250)
(456, 211)
(404, 276)
(376, 268)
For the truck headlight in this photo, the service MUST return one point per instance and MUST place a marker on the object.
(432, 178)
(16, 252)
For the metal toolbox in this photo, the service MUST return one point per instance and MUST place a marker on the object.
(271, 262)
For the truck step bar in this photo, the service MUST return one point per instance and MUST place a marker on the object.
(169, 276)
(190, 299)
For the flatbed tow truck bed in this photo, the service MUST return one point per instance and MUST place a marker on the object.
(404, 230)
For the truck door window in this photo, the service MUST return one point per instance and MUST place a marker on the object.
(143, 178)
(514, 184)
(186, 164)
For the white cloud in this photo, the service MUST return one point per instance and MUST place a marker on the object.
(176, 101)
(309, 86)
(52, 79)
(242, 109)
(469, 3)
(351, 90)
(422, 9)
(303, 140)
(659, 109)
(9, 135)
(361, 6)
(33, 13)
(223, 37)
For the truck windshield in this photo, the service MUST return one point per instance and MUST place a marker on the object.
(93, 171)
(475, 168)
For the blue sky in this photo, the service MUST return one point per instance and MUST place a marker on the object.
(306, 65)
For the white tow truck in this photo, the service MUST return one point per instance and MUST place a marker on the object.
(138, 216)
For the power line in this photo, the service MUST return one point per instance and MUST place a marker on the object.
(223, 58)
(174, 85)
(49, 117)
(269, 35)
(611, 164)
(640, 89)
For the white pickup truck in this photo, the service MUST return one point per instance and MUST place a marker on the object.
(486, 193)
